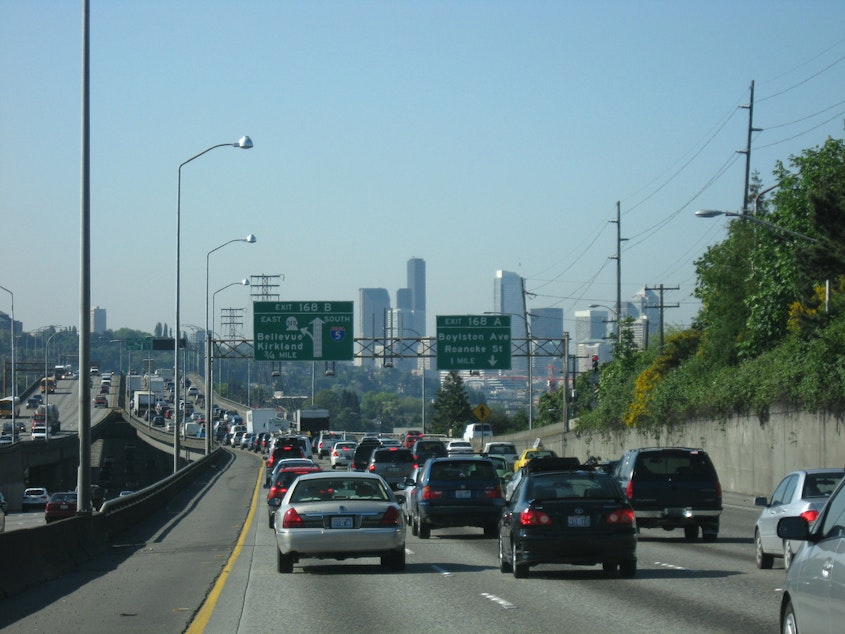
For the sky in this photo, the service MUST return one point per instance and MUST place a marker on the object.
(477, 135)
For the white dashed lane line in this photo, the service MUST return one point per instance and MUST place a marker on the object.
(507, 605)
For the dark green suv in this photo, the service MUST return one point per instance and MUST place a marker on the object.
(672, 487)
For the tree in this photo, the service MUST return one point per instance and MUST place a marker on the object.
(451, 405)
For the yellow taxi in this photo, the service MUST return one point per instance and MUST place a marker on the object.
(530, 454)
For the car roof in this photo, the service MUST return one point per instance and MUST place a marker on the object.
(328, 475)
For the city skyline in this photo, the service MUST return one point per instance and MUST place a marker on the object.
(478, 136)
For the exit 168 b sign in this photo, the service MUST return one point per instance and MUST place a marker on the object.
(303, 331)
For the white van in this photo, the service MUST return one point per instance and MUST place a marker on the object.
(477, 433)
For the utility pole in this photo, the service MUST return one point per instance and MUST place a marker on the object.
(661, 306)
(747, 150)
(618, 258)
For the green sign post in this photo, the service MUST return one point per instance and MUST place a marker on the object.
(303, 331)
(474, 342)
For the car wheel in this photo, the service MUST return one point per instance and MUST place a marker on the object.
(284, 563)
(394, 560)
(787, 554)
(628, 568)
(520, 571)
(691, 532)
(504, 564)
(764, 561)
(609, 567)
(788, 623)
(423, 529)
(415, 528)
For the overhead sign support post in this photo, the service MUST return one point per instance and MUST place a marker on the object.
(474, 342)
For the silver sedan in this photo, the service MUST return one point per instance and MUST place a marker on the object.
(801, 493)
(339, 516)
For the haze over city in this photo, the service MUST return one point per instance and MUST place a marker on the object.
(478, 136)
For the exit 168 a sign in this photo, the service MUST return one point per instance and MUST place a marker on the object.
(303, 331)
(473, 342)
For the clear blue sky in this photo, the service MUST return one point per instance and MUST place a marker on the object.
(478, 135)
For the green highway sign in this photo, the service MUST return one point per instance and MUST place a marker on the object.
(474, 342)
(303, 331)
(140, 344)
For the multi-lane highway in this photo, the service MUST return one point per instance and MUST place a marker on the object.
(193, 563)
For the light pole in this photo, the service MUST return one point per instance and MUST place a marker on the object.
(209, 396)
(47, 386)
(770, 226)
(245, 143)
(14, 370)
(250, 239)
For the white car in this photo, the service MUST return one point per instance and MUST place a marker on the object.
(34, 498)
(329, 515)
(459, 448)
(342, 453)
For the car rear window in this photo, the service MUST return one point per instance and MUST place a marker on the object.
(693, 465)
(556, 486)
(820, 485)
(466, 470)
(393, 455)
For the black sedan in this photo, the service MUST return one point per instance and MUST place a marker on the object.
(575, 517)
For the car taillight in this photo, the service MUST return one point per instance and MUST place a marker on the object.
(533, 517)
(276, 492)
(372, 467)
(493, 492)
(390, 517)
(431, 494)
(292, 519)
(622, 516)
(629, 490)
(810, 515)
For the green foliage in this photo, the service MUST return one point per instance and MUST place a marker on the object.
(451, 406)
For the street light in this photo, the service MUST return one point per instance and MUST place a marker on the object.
(244, 143)
(209, 395)
(14, 371)
(250, 239)
(47, 386)
(712, 213)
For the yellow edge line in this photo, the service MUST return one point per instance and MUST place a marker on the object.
(200, 622)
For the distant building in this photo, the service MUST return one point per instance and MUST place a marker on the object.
(373, 315)
(98, 320)
(547, 323)
(508, 300)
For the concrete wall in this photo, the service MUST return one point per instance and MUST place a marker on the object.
(751, 453)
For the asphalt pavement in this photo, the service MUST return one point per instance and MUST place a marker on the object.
(157, 574)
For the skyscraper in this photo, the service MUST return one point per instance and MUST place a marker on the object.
(416, 287)
(98, 320)
(508, 300)
(373, 315)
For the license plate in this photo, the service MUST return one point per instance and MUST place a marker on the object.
(463, 495)
(579, 521)
(342, 522)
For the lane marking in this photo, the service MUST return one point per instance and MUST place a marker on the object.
(442, 571)
(507, 605)
(200, 622)
(663, 564)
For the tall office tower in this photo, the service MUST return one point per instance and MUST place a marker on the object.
(98, 320)
(508, 300)
(416, 286)
(547, 323)
(591, 336)
(373, 316)
(646, 303)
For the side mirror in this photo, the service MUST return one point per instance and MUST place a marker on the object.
(277, 502)
(794, 528)
(761, 501)
(400, 499)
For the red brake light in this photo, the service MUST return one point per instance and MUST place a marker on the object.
(391, 448)
(431, 494)
(493, 492)
(533, 517)
(292, 519)
(810, 515)
(622, 516)
(629, 490)
(390, 517)
(372, 467)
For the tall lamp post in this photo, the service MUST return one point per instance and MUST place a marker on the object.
(244, 143)
(47, 385)
(209, 395)
(250, 239)
(770, 226)
(14, 368)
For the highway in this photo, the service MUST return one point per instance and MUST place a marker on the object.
(161, 577)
